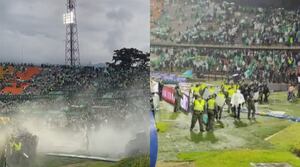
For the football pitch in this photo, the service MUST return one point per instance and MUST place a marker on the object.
(233, 143)
(50, 161)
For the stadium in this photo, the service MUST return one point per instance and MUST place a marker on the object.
(74, 115)
(62, 105)
(234, 67)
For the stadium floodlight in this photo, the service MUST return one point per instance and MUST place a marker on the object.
(69, 18)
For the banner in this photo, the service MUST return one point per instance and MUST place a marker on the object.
(168, 94)
(184, 103)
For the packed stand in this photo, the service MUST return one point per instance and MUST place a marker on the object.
(273, 66)
(210, 22)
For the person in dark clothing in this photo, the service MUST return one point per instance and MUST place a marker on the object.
(160, 88)
(251, 105)
(152, 107)
(178, 96)
(266, 92)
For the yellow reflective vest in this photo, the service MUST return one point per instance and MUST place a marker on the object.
(16, 146)
(211, 104)
(196, 90)
(220, 94)
(212, 90)
(226, 87)
(231, 92)
(199, 105)
(193, 88)
(202, 86)
(290, 61)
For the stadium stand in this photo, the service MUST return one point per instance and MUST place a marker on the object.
(220, 38)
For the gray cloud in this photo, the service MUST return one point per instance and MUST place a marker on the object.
(32, 30)
(121, 14)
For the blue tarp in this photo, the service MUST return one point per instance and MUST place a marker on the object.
(168, 78)
(153, 142)
(188, 74)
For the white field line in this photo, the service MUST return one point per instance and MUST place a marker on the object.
(268, 138)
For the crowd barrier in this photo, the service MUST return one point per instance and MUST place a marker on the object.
(168, 94)
(276, 87)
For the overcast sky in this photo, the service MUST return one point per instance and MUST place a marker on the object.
(33, 30)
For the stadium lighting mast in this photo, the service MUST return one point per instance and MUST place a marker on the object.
(72, 55)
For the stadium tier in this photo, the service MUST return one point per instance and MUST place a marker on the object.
(15, 80)
(19, 79)
(222, 22)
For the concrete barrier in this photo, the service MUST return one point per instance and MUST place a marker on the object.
(277, 87)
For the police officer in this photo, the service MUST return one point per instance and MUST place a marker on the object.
(199, 107)
(202, 88)
(211, 110)
(178, 96)
(230, 93)
(195, 90)
(15, 154)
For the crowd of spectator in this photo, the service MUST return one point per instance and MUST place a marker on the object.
(101, 99)
(63, 78)
(110, 96)
(272, 66)
(222, 22)
(59, 78)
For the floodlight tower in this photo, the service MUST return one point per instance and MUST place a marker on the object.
(72, 55)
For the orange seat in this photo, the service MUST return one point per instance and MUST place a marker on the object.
(12, 90)
(28, 74)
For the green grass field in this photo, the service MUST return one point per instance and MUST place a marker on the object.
(48, 161)
(232, 144)
(239, 158)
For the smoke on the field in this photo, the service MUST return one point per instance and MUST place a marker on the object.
(112, 139)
